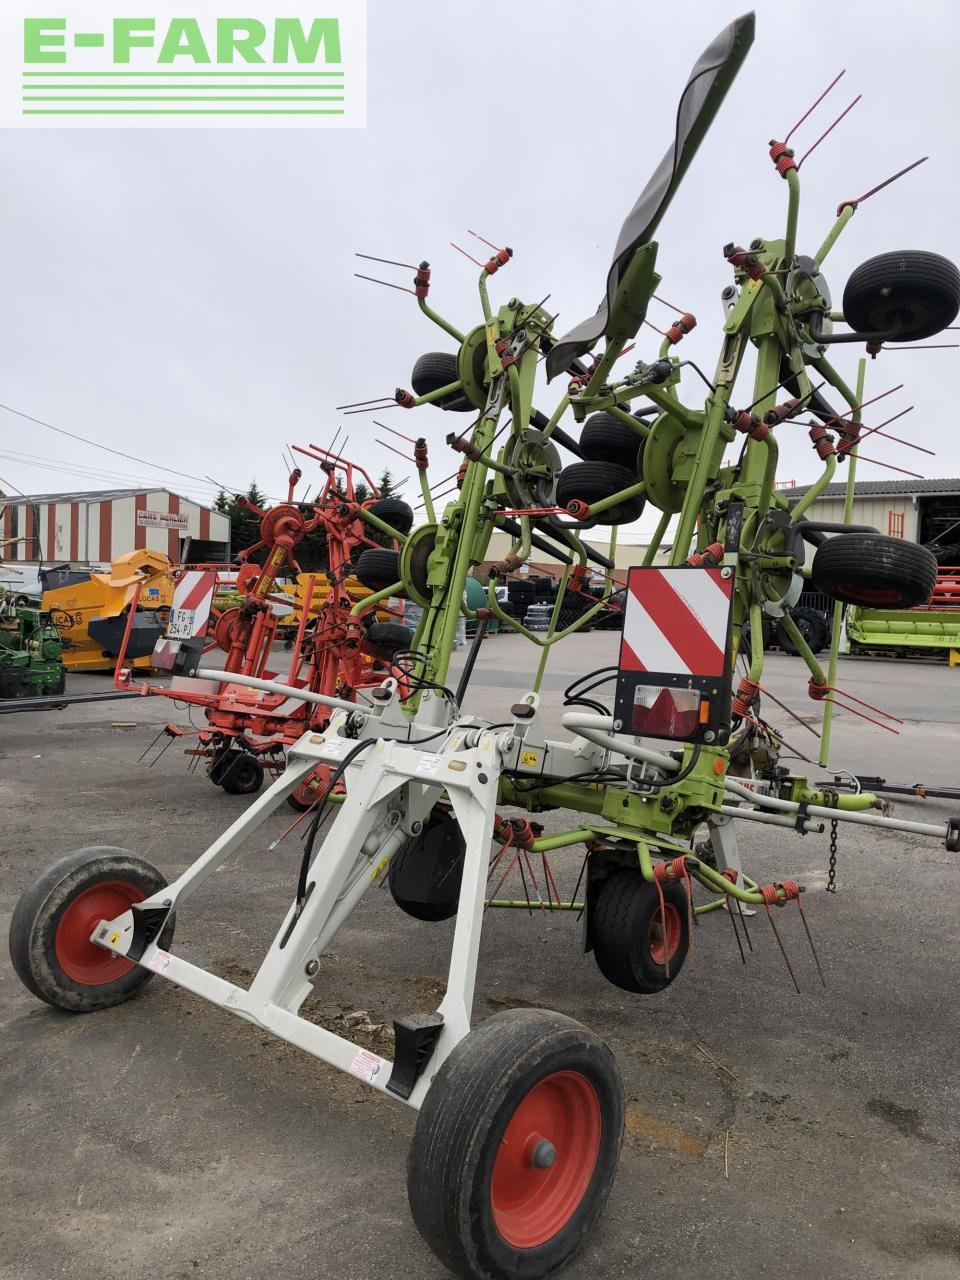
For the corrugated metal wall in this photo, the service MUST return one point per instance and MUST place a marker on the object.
(92, 531)
(887, 515)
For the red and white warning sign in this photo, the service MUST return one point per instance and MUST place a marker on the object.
(677, 620)
(192, 601)
(189, 614)
(674, 679)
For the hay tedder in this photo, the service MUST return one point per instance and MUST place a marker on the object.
(521, 1118)
(337, 650)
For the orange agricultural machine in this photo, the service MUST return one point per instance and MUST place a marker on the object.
(342, 644)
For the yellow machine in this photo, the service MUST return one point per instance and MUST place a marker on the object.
(91, 610)
(321, 589)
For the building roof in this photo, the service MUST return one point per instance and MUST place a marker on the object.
(95, 495)
(881, 488)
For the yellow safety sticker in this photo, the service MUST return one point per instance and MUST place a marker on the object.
(114, 939)
(379, 869)
(529, 758)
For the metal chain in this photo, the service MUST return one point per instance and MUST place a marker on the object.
(832, 873)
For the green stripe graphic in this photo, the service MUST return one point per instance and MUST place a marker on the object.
(69, 97)
(183, 73)
(173, 111)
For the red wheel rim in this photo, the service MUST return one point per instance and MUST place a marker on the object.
(664, 940)
(77, 956)
(870, 595)
(546, 1159)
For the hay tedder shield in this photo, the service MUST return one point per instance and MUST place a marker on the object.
(675, 676)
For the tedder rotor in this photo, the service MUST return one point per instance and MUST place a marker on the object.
(521, 1118)
(335, 651)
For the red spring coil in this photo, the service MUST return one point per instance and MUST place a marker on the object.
(822, 441)
(709, 557)
(421, 281)
(405, 399)
(748, 689)
(420, 454)
(680, 327)
(749, 263)
(499, 259)
(730, 873)
(817, 691)
(771, 893)
(523, 832)
(578, 509)
(779, 413)
(462, 474)
(782, 157)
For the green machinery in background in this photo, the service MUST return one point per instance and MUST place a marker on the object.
(31, 653)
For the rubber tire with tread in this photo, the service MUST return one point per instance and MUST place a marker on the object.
(459, 1130)
(386, 639)
(873, 571)
(443, 908)
(38, 912)
(394, 512)
(378, 569)
(911, 295)
(605, 438)
(813, 626)
(436, 369)
(619, 928)
(243, 776)
(592, 481)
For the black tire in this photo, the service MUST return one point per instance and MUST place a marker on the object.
(436, 369)
(425, 873)
(626, 928)
(591, 481)
(479, 1186)
(908, 295)
(52, 922)
(243, 775)
(385, 639)
(605, 438)
(394, 512)
(378, 569)
(874, 571)
(812, 625)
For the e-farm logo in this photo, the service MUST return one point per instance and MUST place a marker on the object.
(99, 64)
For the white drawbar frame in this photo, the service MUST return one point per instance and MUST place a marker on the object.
(391, 788)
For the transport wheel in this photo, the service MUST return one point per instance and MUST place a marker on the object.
(386, 639)
(591, 481)
(605, 438)
(394, 512)
(243, 775)
(436, 369)
(632, 940)
(516, 1147)
(425, 873)
(51, 926)
(811, 625)
(378, 569)
(910, 295)
(873, 570)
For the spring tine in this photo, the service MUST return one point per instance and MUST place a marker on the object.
(743, 921)
(383, 444)
(875, 462)
(386, 261)
(816, 958)
(374, 408)
(152, 744)
(357, 403)
(776, 934)
(533, 880)
(387, 284)
(809, 151)
(576, 887)
(466, 255)
(736, 933)
(394, 432)
(526, 891)
(886, 182)
(483, 238)
(810, 110)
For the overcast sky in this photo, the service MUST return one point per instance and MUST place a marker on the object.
(188, 296)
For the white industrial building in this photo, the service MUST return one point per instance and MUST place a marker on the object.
(92, 529)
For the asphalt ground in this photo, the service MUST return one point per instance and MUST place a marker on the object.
(768, 1134)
